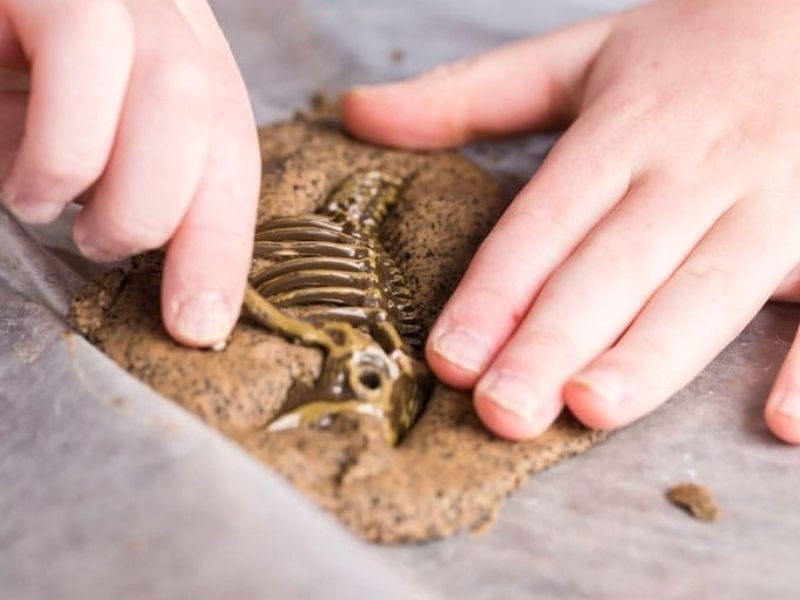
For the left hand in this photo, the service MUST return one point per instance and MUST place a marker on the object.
(658, 226)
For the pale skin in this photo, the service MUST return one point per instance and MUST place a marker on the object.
(138, 106)
(662, 220)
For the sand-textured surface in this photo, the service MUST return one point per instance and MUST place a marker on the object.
(448, 473)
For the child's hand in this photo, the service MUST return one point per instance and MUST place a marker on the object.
(660, 223)
(141, 101)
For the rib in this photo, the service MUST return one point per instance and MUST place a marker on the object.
(313, 279)
(291, 248)
(306, 264)
(340, 295)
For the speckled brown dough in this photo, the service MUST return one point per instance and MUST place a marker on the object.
(449, 473)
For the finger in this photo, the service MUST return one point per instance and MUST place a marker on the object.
(590, 300)
(705, 304)
(161, 145)
(82, 54)
(13, 106)
(789, 288)
(782, 411)
(209, 256)
(534, 83)
(11, 53)
(578, 183)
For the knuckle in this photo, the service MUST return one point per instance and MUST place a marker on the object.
(609, 160)
(548, 215)
(725, 146)
(704, 274)
(645, 349)
(109, 20)
(549, 340)
(130, 233)
(609, 250)
(537, 216)
(180, 78)
(477, 301)
(630, 104)
(667, 181)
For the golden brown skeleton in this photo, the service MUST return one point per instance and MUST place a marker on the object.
(327, 281)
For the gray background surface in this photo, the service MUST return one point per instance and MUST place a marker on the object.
(109, 491)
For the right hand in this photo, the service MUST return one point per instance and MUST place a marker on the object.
(139, 102)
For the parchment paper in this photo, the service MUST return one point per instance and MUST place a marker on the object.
(109, 491)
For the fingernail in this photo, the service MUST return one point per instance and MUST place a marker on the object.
(379, 87)
(90, 249)
(511, 393)
(358, 90)
(605, 385)
(204, 319)
(85, 244)
(364, 90)
(463, 348)
(788, 405)
(32, 211)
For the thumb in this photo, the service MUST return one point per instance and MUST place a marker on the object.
(535, 83)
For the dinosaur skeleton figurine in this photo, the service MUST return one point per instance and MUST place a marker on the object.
(326, 280)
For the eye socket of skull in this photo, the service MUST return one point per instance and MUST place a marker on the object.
(370, 376)
(370, 379)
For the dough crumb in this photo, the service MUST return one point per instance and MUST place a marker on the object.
(323, 107)
(397, 55)
(485, 523)
(697, 500)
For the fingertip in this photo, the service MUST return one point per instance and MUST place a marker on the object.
(505, 423)
(203, 284)
(508, 405)
(449, 373)
(406, 114)
(31, 211)
(356, 108)
(370, 113)
(589, 406)
(457, 357)
(199, 320)
(784, 424)
(100, 248)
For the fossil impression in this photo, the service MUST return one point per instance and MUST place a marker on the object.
(328, 280)
(449, 473)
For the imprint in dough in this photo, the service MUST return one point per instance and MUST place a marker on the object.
(448, 473)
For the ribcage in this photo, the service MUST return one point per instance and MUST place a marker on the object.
(326, 279)
(321, 270)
